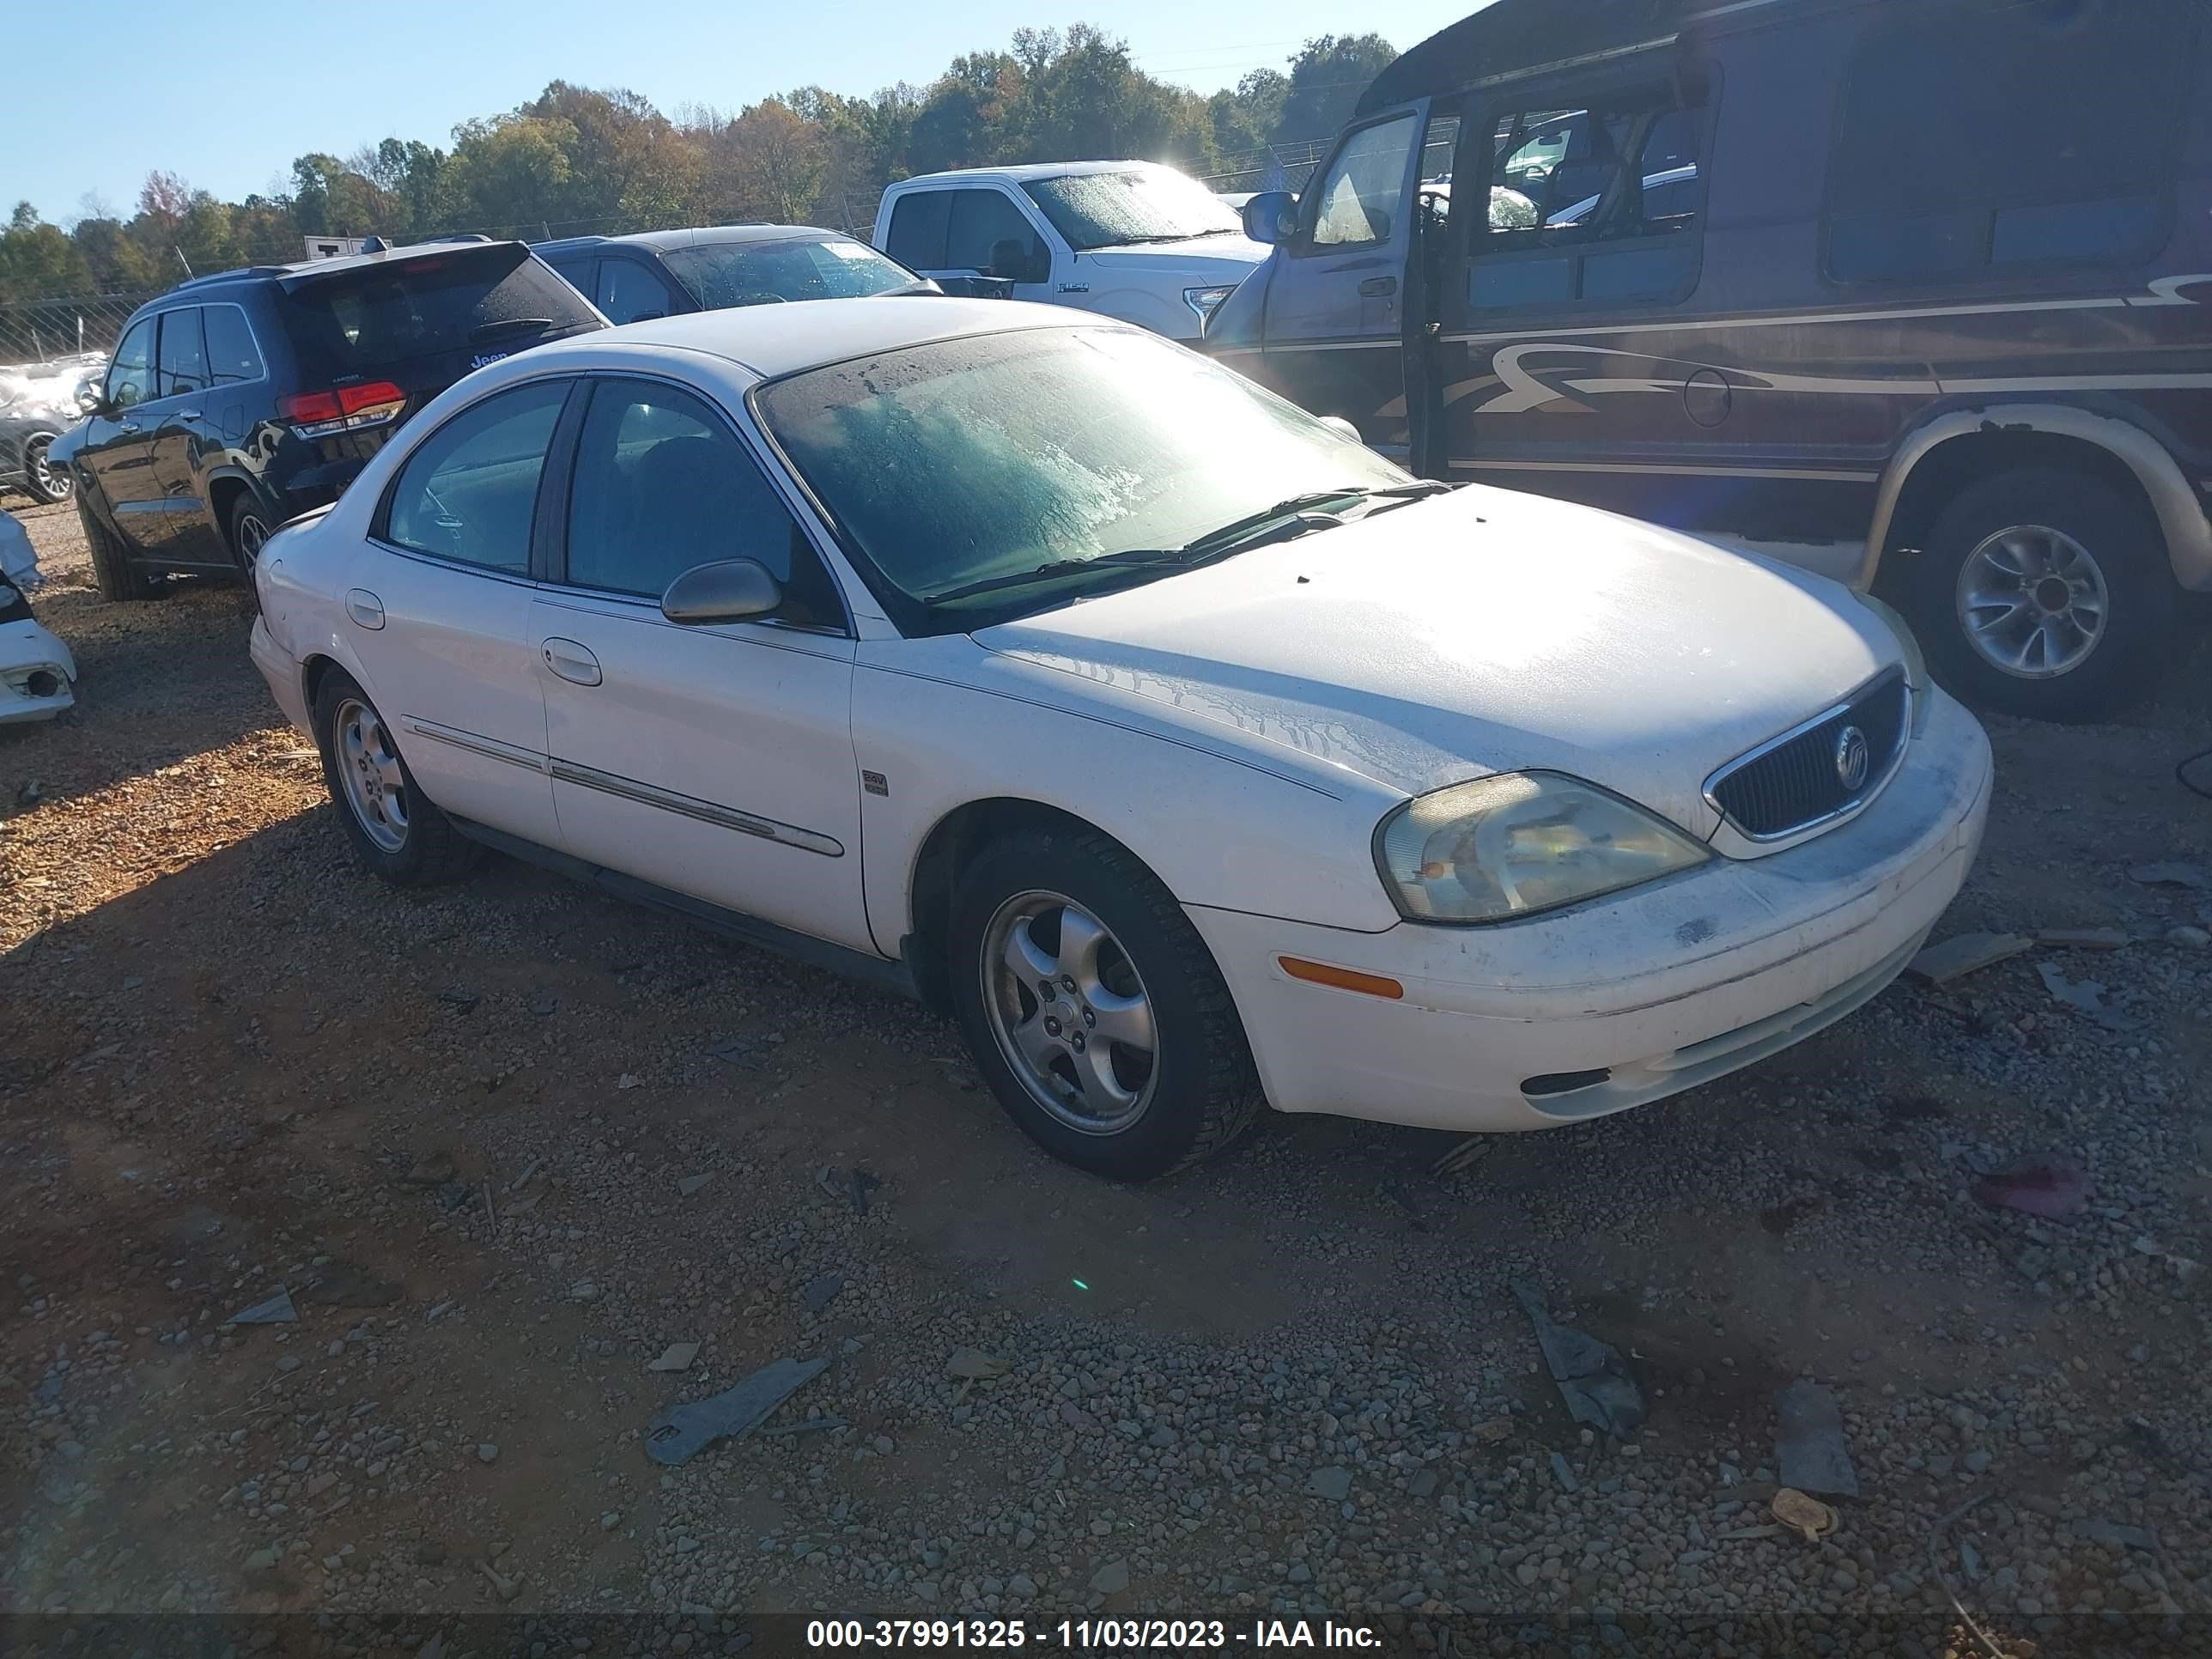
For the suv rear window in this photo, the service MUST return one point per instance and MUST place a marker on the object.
(462, 304)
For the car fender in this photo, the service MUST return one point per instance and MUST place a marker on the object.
(939, 725)
(2181, 516)
(1129, 303)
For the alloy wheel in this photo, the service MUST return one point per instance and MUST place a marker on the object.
(2033, 602)
(1069, 1012)
(368, 767)
(48, 483)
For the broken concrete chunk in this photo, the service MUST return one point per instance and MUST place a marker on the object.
(2084, 939)
(681, 1432)
(691, 1183)
(1332, 1483)
(1592, 1377)
(2085, 996)
(677, 1357)
(1954, 958)
(1809, 1442)
(276, 1311)
(973, 1362)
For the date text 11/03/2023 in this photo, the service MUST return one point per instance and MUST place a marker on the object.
(1088, 1635)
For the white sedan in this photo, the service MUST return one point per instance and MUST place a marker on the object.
(1189, 753)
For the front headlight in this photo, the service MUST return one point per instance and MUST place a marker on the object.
(1204, 300)
(1916, 665)
(1520, 843)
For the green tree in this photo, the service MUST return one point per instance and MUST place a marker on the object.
(1326, 80)
(510, 173)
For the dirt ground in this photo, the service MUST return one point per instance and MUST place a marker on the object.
(504, 1144)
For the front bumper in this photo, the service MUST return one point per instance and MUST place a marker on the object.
(1660, 989)
(38, 675)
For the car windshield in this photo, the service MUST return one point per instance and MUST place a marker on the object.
(1111, 210)
(957, 464)
(719, 275)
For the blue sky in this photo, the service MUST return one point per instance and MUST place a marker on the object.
(230, 114)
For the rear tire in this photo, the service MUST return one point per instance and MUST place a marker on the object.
(2045, 594)
(249, 528)
(395, 829)
(1125, 1058)
(117, 577)
(41, 482)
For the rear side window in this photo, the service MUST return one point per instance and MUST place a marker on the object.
(1976, 135)
(460, 305)
(183, 363)
(470, 490)
(233, 356)
(916, 237)
(662, 484)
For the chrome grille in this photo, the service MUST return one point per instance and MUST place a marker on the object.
(1793, 783)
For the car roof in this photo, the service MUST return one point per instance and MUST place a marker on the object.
(401, 254)
(1029, 170)
(781, 339)
(696, 236)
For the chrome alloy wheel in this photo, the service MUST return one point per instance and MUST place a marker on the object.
(48, 482)
(1070, 1015)
(368, 767)
(2034, 602)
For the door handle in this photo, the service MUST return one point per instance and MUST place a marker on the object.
(571, 661)
(1376, 287)
(186, 415)
(126, 427)
(364, 607)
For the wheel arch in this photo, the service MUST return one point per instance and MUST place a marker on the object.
(1940, 457)
(224, 488)
(952, 841)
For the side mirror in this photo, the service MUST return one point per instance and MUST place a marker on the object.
(1020, 262)
(92, 400)
(730, 590)
(1272, 217)
(1342, 427)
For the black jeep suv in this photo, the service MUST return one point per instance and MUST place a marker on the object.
(237, 401)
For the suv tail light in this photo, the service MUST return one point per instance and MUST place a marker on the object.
(347, 409)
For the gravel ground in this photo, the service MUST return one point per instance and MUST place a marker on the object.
(505, 1144)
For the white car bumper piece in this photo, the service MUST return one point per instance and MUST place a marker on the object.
(1621, 1002)
(38, 675)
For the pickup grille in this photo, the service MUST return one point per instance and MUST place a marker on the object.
(1793, 783)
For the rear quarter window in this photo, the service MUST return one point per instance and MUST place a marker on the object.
(475, 301)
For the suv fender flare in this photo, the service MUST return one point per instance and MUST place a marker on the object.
(2181, 515)
(231, 472)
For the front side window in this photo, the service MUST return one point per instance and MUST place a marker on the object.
(988, 456)
(130, 376)
(719, 275)
(1975, 135)
(982, 221)
(662, 484)
(628, 292)
(1360, 201)
(234, 359)
(469, 492)
(182, 365)
(1113, 210)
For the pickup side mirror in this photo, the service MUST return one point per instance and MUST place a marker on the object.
(730, 590)
(1272, 217)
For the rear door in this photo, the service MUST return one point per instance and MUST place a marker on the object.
(118, 443)
(1334, 322)
(178, 420)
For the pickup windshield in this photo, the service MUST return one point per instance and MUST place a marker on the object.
(1113, 209)
(1083, 456)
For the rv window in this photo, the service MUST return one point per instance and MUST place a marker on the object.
(1974, 136)
(1359, 201)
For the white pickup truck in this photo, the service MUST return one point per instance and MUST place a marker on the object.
(1131, 240)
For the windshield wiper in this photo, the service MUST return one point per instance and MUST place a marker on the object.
(1290, 518)
(1136, 558)
(484, 332)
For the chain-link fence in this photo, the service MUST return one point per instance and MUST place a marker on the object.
(44, 330)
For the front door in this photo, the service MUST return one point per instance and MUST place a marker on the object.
(119, 445)
(1334, 329)
(972, 235)
(715, 760)
(438, 612)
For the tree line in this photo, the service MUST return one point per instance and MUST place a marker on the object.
(575, 160)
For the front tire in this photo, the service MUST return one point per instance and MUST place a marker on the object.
(2048, 595)
(1093, 1008)
(396, 830)
(43, 482)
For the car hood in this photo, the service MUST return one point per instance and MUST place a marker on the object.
(1200, 259)
(1479, 632)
